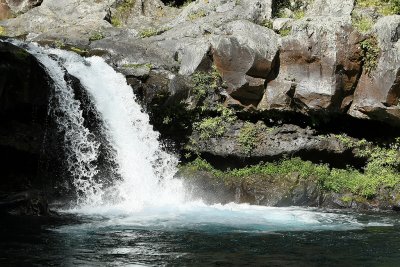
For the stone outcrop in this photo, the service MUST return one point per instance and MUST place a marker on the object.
(266, 142)
(244, 53)
(319, 62)
(281, 191)
(24, 98)
(378, 93)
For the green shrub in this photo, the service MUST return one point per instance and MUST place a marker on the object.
(96, 36)
(248, 137)
(382, 171)
(370, 54)
(285, 31)
(362, 24)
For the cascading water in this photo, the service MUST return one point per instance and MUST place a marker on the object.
(147, 195)
(146, 170)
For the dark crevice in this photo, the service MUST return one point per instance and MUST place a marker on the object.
(325, 123)
(334, 160)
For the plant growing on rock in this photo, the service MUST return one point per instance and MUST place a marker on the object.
(215, 126)
(2, 31)
(362, 23)
(122, 12)
(96, 36)
(248, 137)
(370, 54)
(152, 32)
(384, 7)
(382, 171)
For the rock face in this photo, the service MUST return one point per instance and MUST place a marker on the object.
(244, 53)
(319, 64)
(284, 191)
(24, 97)
(268, 142)
(22, 6)
(378, 93)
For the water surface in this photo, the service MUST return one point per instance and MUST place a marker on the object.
(230, 235)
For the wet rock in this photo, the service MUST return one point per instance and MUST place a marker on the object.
(378, 93)
(31, 203)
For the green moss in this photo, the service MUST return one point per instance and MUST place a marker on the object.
(196, 15)
(298, 14)
(59, 44)
(145, 33)
(96, 36)
(346, 199)
(297, 7)
(285, 31)
(78, 50)
(122, 12)
(248, 137)
(370, 54)
(362, 24)
(384, 7)
(267, 23)
(3, 31)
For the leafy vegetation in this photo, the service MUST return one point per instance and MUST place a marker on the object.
(267, 23)
(122, 12)
(248, 137)
(96, 36)
(215, 126)
(285, 31)
(152, 32)
(384, 7)
(382, 170)
(362, 23)
(370, 53)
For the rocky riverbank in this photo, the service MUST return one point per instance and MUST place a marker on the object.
(239, 84)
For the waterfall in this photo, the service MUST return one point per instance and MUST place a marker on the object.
(146, 195)
(146, 170)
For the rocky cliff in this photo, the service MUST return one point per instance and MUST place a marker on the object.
(240, 82)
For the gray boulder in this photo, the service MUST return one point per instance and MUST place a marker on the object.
(243, 52)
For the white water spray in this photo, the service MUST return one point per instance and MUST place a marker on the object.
(146, 170)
